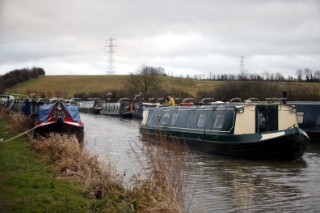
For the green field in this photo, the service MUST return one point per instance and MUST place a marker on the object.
(67, 85)
(70, 85)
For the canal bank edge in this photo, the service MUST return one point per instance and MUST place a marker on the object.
(27, 184)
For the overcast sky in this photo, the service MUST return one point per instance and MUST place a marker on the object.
(192, 37)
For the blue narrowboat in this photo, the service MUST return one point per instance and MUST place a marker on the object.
(59, 118)
(308, 113)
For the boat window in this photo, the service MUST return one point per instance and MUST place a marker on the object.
(202, 120)
(300, 117)
(223, 120)
(218, 121)
(182, 119)
(262, 121)
(165, 118)
(174, 119)
(267, 119)
(152, 118)
(318, 119)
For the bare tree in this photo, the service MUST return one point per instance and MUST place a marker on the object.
(317, 75)
(266, 75)
(210, 75)
(299, 75)
(279, 77)
(308, 74)
(145, 80)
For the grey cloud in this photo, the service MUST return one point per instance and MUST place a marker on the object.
(161, 32)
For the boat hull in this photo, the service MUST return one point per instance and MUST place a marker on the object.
(137, 115)
(289, 145)
(62, 128)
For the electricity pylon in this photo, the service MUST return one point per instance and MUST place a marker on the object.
(110, 50)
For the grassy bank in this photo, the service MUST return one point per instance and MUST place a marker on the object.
(55, 174)
(29, 185)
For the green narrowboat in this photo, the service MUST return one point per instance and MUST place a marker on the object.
(252, 130)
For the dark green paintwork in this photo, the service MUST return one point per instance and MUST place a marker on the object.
(187, 124)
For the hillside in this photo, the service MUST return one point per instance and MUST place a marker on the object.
(71, 84)
(68, 85)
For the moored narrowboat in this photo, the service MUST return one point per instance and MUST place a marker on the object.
(308, 113)
(140, 107)
(255, 130)
(124, 108)
(92, 106)
(60, 118)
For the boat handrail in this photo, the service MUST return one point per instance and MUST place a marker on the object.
(188, 100)
(124, 100)
(274, 100)
(253, 99)
(235, 100)
(206, 100)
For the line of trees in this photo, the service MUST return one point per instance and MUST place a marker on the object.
(263, 90)
(301, 75)
(17, 76)
(308, 75)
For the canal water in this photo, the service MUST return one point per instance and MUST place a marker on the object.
(216, 184)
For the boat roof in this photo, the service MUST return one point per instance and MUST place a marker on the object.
(304, 102)
(221, 106)
(45, 110)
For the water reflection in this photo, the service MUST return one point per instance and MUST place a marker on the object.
(243, 185)
(254, 186)
(217, 183)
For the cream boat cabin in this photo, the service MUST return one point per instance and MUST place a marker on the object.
(256, 130)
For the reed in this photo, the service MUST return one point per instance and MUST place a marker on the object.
(72, 161)
(18, 121)
(162, 180)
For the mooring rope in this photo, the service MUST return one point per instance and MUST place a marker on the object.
(17, 136)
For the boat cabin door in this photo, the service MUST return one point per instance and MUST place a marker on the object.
(266, 118)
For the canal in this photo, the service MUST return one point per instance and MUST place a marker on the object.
(216, 184)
